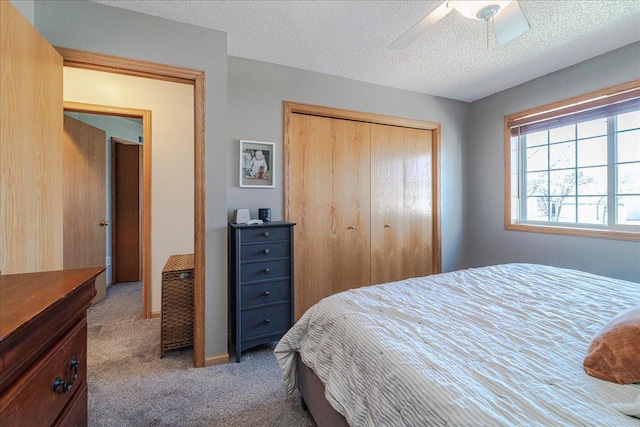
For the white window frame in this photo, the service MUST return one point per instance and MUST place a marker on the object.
(540, 117)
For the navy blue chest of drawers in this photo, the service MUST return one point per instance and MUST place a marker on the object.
(260, 283)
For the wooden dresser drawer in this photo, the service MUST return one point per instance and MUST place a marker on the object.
(253, 271)
(265, 251)
(266, 321)
(34, 391)
(265, 293)
(76, 413)
(252, 235)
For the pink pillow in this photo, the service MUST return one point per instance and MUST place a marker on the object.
(614, 352)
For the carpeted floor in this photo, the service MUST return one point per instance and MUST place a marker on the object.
(129, 385)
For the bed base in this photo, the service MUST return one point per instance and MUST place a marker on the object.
(312, 392)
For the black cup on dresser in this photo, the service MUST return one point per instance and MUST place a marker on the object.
(264, 214)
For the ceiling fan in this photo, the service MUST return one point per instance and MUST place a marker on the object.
(506, 18)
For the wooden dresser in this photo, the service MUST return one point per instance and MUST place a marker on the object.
(43, 347)
(260, 283)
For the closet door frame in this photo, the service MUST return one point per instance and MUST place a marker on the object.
(336, 113)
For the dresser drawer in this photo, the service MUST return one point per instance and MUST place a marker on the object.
(266, 320)
(252, 271)
(35, 389)
(76, 412)
(265, 251)
(265, 293)
(264, 234)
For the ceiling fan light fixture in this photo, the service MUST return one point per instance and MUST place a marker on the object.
(481, 10)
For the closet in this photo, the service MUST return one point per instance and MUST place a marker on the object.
(363, 190)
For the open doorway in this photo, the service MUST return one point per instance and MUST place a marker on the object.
(112, 161)
(124, 124)
(195, 78)
(126, 208)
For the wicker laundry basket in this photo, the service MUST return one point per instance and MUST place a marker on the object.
(177, 303)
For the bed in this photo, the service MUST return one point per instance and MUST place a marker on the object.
(497, 345)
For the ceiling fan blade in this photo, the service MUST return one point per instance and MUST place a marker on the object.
(509, 23)
(421, 27)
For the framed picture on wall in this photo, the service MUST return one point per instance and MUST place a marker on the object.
(257, 164)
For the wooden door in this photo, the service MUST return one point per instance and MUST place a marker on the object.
(387, 203)
(30, 148)
(417, 216)
(328, 197)
(126, 254)
(84, 198)
(401, 203)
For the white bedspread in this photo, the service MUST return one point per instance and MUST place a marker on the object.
(500, 345)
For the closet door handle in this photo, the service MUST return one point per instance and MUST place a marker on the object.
(352, 227)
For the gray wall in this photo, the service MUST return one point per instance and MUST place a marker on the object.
(257, 92)
(98, 28)
(490, 243)
(26, 8)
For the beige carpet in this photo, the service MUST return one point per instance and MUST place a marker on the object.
(129, 385)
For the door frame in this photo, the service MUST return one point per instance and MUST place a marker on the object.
(196, 78)
(145, 115)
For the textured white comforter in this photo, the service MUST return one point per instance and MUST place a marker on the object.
(500, 345)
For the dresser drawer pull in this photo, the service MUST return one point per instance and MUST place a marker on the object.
(267, 270)
(267, 321)
(266, 234)
(266, 251)
(59, 385)
(267, 293)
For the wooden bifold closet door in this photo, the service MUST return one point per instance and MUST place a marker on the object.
(362, 194)
(329, 188)
(401, 210)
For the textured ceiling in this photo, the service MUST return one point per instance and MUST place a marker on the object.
(350, 38)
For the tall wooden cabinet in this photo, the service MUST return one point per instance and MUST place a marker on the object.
(363, 190)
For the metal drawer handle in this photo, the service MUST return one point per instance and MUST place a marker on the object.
(266, 251)
(352, 227)
(61, 386)
(387, 226)
(267, 321)
(266, 234)
(267, 293)
(266, 271)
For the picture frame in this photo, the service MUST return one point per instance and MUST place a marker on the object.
(257, 161)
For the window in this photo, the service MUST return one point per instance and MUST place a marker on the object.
(574, 167)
